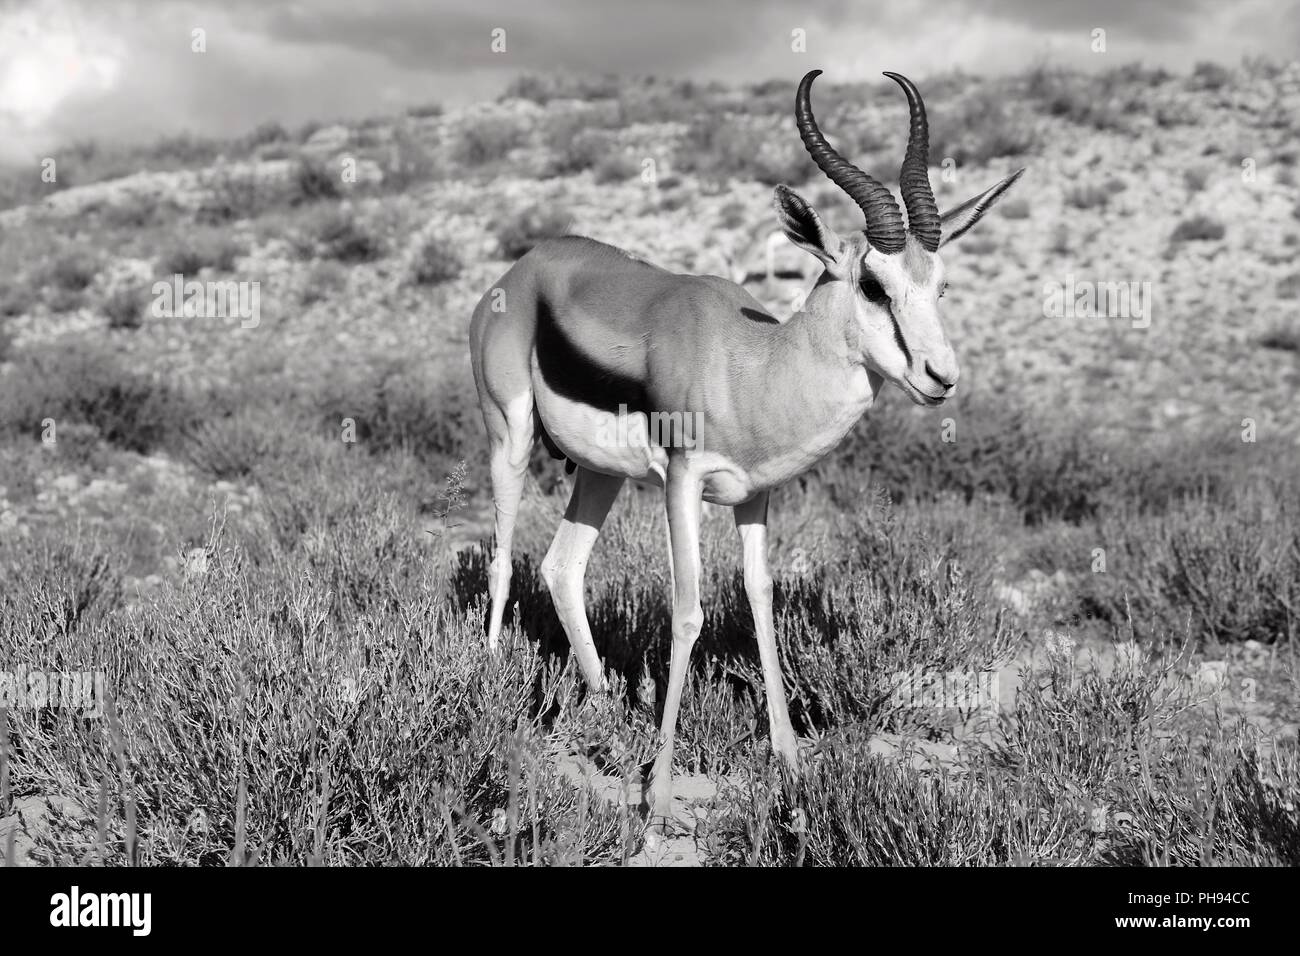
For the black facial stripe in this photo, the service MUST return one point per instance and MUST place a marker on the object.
(898, 336)
(875, 293)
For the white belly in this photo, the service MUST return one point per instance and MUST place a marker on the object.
(613, 443)
(620, 443)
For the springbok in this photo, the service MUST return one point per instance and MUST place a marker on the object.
(591, 349)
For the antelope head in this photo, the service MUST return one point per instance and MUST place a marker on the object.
(889, 277)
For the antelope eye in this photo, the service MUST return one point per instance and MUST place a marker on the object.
(872, 289)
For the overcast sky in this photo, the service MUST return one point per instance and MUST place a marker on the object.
(76, 69)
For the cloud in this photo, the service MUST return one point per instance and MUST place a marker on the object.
(134, 73)
(1161, 20)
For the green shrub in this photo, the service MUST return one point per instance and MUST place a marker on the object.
(1095, 101)
(1085, 772)
(335, 232)
(18, 297)
(91, 384)
(1050, 465)
(1224, 571)
(979, 128)
(323, 280)
(1285, 337)
(616, 168)
(391, 745)
(125, 306)
(483, 139)
(402, 404)
(543, 89)
(435, 261)
(518, 232)
(190, 252)
(138, 211)
(1015, 208)
(312, 181)
(406, 163)
(719, 148)
(229, 196)
(1087, 197)
(64, 278)
(1210, 76)
(1196, 178)
(264, 133)
(1197, 228)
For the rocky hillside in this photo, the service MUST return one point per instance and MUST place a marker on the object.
(1184, 184)
(370, 244)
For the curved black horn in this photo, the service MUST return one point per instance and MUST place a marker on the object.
(885, 228)
(914, 178)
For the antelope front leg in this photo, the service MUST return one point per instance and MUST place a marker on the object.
(751, 522)
(682, 491)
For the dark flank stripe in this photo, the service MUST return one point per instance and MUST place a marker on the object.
(567, 371)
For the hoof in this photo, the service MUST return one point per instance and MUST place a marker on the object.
(659, 829)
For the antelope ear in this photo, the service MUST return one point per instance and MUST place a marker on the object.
(803, 227)
(955, 222)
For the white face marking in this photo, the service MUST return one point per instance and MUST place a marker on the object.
(897, 309)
